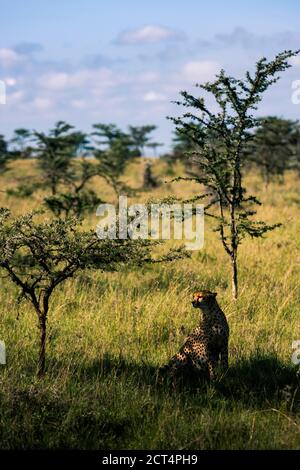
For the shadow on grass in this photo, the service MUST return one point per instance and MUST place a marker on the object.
(260, 378)
(254, 380)
(42, 416)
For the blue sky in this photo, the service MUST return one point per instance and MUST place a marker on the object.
(124, 61)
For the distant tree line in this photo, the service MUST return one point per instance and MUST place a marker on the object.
(274, 148)
(63, 157)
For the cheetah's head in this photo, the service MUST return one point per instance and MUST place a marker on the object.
(203, 298)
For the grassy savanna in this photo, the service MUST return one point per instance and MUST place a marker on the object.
(108, 334)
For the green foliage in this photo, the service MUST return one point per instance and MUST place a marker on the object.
(107, 134)
(81, 172)
(55, 152)
(77, 200)
(182, 145)
(48, 252)
(115, 156)
(24, 190)
(75, 204)
(274, 145)
(139, 136)
(21, 143)
(4, 154)
(182, 148)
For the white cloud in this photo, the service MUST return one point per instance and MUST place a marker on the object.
(295, 60)
(9, 57)
(56, 81)
(152, 96)
(200, 71)
(147, 34)
(10, 81)
(78, 104)
(42, 103)
(15, 98)
(147, 77)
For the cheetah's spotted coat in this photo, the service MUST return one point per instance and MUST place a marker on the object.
(208, 342)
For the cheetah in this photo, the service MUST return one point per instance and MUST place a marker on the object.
(208, 342)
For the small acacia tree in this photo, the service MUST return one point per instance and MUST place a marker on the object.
(76, 200)
(21, 143)
(55, 152)
(66, 175)
(73, 204)
(139, 136)
(113, 151)
(40, 256)
(221, 138)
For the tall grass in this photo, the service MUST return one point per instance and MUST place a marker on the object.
(108, 334)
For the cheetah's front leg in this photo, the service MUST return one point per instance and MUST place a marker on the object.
(211, 364)
(224, 357)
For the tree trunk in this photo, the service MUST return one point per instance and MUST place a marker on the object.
(53, 185)
(234, 276)
(267, 180)
(234, 251)
(42, 352)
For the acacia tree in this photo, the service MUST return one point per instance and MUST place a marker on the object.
(182, 144)
(154, 146)
(273, 146)
(21, 143)
(39, 256)
(76, 200)
(73, 204)
(140, 138)
(107, 134)
(55, 152)
(63, 173)
(295, 159)
(182, 147)
(221, 138)
(4, 154)
(113, 150)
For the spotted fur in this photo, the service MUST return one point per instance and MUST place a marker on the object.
(208, 342)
